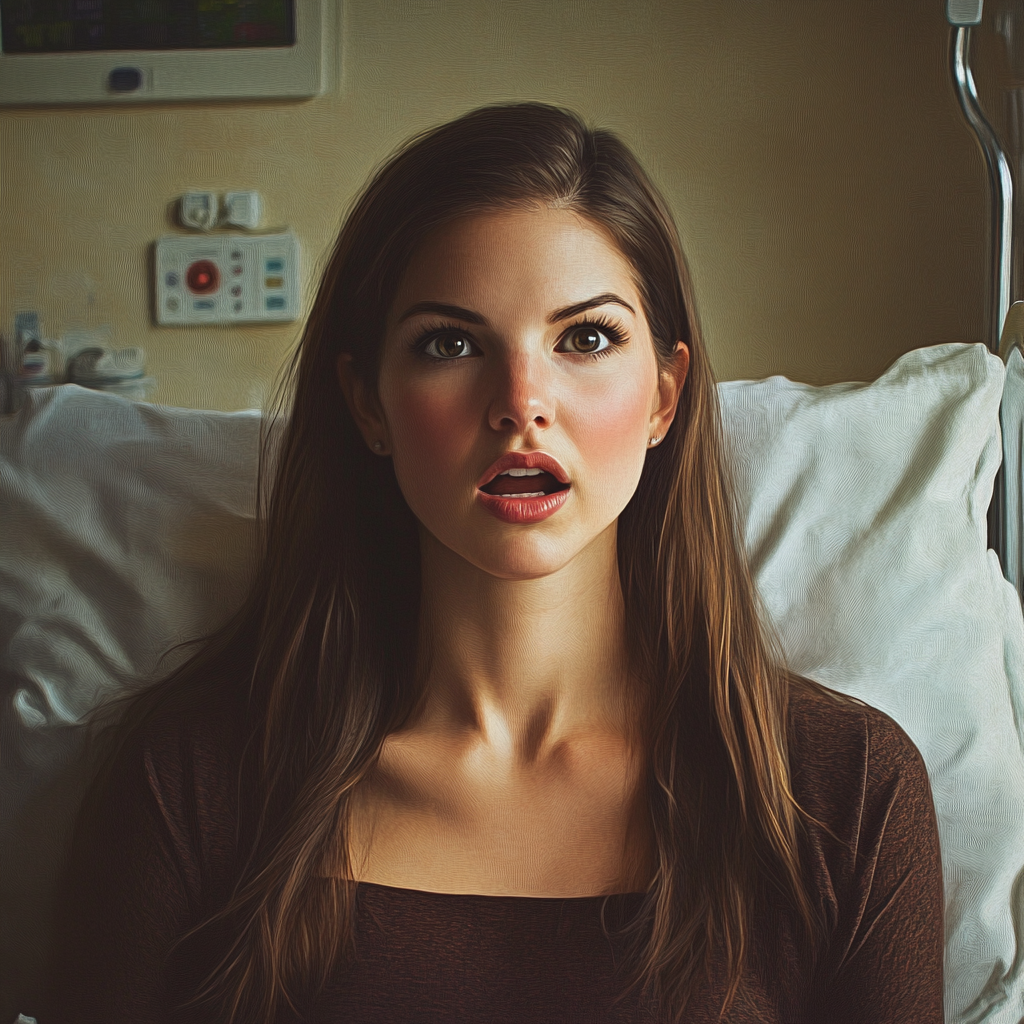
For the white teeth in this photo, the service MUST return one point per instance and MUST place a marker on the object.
(529, 494)
(521, 472)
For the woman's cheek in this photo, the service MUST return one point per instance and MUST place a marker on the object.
(612, 435)
(432, 439)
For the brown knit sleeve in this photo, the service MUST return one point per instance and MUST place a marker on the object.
(148, 850)
(885, 953)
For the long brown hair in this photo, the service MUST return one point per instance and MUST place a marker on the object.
(324, 648)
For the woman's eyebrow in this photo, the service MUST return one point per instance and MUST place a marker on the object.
(444, 309)
(598, 300)
(461, 313)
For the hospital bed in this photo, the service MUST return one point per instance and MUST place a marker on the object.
(127, 527)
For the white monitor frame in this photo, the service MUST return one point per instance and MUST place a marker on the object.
(286, 72)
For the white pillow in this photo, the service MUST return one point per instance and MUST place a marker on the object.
(130, 526)
(866, 527)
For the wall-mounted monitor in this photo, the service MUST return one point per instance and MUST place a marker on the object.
(130, 51)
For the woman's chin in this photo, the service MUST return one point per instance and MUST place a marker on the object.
(521, 555)
(520, 558)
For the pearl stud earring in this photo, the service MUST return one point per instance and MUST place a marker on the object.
(377, 446)
(654, 440)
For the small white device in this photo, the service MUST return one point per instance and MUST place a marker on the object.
(198, 210)
(226, 279)
(964, 12)
(241, 209)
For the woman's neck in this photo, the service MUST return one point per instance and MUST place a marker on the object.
(524, 666)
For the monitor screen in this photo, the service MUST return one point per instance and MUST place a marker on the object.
(78, 26)
(138, 51)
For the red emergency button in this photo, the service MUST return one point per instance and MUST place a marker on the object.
(203, 277)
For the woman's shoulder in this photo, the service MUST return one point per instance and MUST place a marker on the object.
(188, 739)
(854, 768)
(834, 733)
(154, 853)
(175, 772)
(872, 860)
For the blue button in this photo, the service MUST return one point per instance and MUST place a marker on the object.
(172, 280)
(124, 79)
(275, 302)
(203, 304)
(275, 266)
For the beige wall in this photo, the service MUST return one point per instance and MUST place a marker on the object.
(830, 199)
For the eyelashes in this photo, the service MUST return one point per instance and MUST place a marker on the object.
(433, 332)
(440, 329)
(613, 331)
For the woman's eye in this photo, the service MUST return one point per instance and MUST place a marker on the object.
(447, 346)
(588, 339)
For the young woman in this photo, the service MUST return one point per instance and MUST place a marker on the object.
(499, 734)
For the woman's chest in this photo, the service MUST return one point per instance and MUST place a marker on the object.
(438, 957)
(434, 821)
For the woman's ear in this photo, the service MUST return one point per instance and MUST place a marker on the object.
(364, 407)
(670, 387)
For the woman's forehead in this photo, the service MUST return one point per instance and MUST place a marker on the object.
(541, 257)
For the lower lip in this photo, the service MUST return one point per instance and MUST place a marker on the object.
(523, 510)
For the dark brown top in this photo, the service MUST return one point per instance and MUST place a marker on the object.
(160, 854)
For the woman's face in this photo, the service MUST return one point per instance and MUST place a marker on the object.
(518, 331)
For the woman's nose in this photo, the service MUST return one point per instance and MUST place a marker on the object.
(522, 393)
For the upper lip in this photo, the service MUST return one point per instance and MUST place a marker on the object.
(525, 460)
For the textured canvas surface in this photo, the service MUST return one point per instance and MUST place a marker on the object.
(128, 527)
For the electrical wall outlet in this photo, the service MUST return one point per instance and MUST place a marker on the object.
(242, 209)
(226, 279)
(198, 210)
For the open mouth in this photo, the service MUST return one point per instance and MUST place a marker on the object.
(524, 483)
